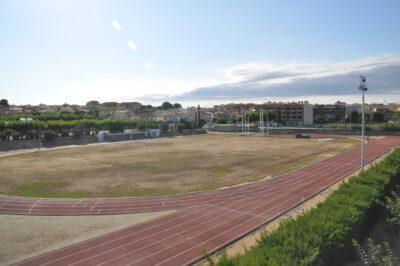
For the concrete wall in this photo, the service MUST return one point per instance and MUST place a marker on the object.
(293, 130)
(33, 144)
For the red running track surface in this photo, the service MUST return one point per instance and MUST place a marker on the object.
(207, 221)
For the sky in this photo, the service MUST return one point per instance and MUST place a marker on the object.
(206, 52)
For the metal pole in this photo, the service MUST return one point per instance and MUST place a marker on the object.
(362, 132)
(363, 88)
(260, 124)
(242, 123)
(267, 125)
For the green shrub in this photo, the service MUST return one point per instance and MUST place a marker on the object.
(8, 132)
(114, 125)
(393, 212)
(77, 133)
(376, 254)
(64, 133)
(16, 135)
(3, 136)
(324, 235)
(32, 134)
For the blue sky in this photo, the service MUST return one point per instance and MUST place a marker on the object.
(197, 51)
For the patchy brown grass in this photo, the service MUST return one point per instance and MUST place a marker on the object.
(160, 166)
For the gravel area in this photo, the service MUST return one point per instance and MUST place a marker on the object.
(23, 237)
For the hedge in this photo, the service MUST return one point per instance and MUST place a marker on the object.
(48, 116)
(114, 125)
(323, 235)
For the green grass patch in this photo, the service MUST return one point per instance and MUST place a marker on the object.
(45, 189)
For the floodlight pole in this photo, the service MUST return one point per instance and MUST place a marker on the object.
(363, 89)
(242, 122)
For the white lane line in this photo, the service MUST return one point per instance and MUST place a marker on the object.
(317, 171)
(84, 241)
(33, 205)
(77, 203)
(292, 184)
(94, 205)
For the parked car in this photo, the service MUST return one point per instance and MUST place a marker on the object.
(303, 135)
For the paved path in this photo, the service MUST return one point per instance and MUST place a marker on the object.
(207, 221)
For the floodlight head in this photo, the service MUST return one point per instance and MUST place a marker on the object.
(363, 81)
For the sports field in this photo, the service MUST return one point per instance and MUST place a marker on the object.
(159, 166)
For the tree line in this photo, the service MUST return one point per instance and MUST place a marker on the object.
(32, 129)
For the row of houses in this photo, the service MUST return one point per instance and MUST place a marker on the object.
(175, 115)
(300, 113)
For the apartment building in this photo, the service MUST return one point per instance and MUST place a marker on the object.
(330, 112)
(288, 113)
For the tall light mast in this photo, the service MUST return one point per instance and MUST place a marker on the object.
(363, 88)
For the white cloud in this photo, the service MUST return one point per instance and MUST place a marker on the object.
(116, 25)
(260, 80)
(148, 65)
(132, 45)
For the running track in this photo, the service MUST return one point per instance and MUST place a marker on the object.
(205, 221)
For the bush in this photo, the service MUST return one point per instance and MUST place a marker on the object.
(64, 133)
(3, 136)
(77, 133)
(164, 127)
(8, 132)
(49, 135)
(376, 254)
(393, 212)
(222, 120)
(32, 134)
(16, 135)
(324, 235)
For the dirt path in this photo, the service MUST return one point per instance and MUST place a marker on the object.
(26, 236)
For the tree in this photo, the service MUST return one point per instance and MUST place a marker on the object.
(272, 116)
(222, 120)
(354, 117)
(177, 105)
(4, 103)
(8, 132)
(3, 136)
(202, 122)
(253, 116)
(77, 133)
(396, 116)
(31, 134)
(92, 104)
(378, 117)
(64, 133)
(16, 135)
(319, 120)
(167, 105)
(164, 127)
(49, 135)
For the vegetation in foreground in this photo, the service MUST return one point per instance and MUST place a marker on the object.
(324, 236)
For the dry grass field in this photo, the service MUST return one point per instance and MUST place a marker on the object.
(159, 166)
